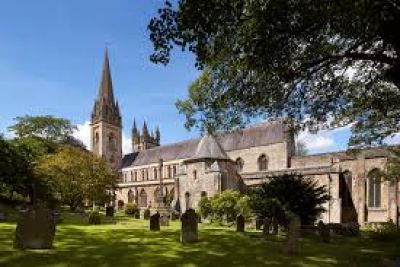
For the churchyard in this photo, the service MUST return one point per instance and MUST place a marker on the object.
(125, 241)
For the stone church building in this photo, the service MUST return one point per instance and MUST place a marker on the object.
(183, 172)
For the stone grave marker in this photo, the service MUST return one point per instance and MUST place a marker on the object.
(292, 241)
(155, 222)
(189, 231)
(35, 229)
(240, 223)
(110, 211)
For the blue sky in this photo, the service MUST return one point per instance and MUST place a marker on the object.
(51, 54)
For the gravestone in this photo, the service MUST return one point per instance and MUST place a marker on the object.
(275, 226)
(240, 222)
(110, 211)
(137, 215)
(155, 222)
(293, 234)
(259, 223)
(146, 214)
(189, 231)
(324, 232)
(266, 225)
(35, 229)
(164, 219)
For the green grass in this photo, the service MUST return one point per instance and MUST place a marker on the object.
(127, 242)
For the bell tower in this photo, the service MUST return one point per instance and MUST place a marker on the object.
(106, 123)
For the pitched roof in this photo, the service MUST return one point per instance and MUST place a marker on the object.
(259, 135)
(209, 148)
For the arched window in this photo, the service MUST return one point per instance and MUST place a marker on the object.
(239, 164)
(174, 170)
(187, 201)
(374, 189)
(262, 163)
(142, 174)
(96, 138)
(130, 196)
(345, 189)
(194, 174)
(112, 144)
(155, 173)
(143, 199)
(135, 176)
(169, 172)
(203, 194)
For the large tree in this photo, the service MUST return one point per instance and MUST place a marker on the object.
(317, 63)
(76, 175)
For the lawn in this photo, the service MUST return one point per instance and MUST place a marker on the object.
(127, 242)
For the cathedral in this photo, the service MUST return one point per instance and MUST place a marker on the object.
(179, 174)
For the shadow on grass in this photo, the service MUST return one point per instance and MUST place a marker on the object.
(133, 245)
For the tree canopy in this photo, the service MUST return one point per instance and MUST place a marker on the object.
(76, 175)
(314, 63)
(289, 193)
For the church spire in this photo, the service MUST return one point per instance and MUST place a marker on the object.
(105, 107)
(106, 89)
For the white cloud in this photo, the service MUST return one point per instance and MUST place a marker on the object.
(319, 141)
(83, 134)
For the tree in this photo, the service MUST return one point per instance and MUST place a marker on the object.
(289, 193)
(204, 207)
(76, 175)
(47, 127)
(15, 171)
(301, 148)
(315, 63)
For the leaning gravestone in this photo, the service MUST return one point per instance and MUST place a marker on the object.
(110, 211)
(240, 222)
(189, 232)
(35, 229)
(267, 225)
(155, 222)
(293, 234)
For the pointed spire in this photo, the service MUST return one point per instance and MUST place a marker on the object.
(106, 108)
(158, 135)
(134, 127)
(106, 89)
(145, 131)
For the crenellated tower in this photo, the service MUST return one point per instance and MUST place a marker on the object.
(144, 140)
(106, 123)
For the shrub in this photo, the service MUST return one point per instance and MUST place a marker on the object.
(224, 206)
(386, 232)
(146, 214)
(204, 207)
(94, 217)
(243, 206)
(131, 209)
(289, 193)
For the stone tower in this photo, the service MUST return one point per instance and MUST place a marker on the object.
(106, 124)
(145, 139)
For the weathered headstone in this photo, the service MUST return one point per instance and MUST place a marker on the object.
(189, 231)
(146, 214)
(35, 229)
(155, 222)
(275, 226)
(266, 225)
(324, 232)
(164, 219)
(293, 234)
(240, 222)
(259, 223)
(110, 211)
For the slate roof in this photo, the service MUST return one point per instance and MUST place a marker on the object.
(258, 135)
(209, 148)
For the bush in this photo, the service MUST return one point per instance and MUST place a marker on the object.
(204, 207)
(94, 217)
(224, 206)
(386, 232)
(146, 214)
(131, 209)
